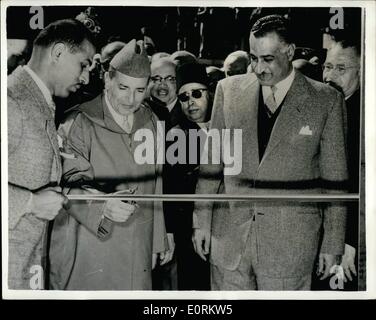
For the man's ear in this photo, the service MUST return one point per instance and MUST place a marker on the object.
(106, 79)
(57, 50)
(291, 51)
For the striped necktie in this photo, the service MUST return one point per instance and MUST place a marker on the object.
(127, 127)
(270, 101)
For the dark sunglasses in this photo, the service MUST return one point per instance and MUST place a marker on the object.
(195, 93)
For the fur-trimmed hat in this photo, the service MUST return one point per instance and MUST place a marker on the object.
(189, 73)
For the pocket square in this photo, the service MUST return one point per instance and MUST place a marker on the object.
(60, 141)
(67, 155)
(305, 131)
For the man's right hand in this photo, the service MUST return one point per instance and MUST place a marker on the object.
(47, 203)
(201, 242)
(118, 211)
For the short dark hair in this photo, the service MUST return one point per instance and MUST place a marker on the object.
(273, 23)
(69, 31)
(351, 43)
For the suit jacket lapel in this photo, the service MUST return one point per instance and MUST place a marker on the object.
(290, 114)
(29, 86)
(176, 114)
(40, 102)
(245, 109)
(52, 136)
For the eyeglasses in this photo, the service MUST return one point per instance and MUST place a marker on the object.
(339, 68)
(158, 79)
(195, 93)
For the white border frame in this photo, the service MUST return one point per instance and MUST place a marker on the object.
(370, 120)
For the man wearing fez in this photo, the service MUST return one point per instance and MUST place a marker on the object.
(109, 245)
(293, 143)
(59, 65)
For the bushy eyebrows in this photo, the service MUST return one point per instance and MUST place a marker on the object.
(270, 56)
(159, 75)
(127, 86)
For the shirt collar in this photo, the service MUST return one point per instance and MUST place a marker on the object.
(171, 105)
(282, 88)
(204, 125)
(41, 85)
(119, 119)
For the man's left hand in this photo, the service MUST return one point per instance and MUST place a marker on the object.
(348, 262)
(326, 262)
(166, 257)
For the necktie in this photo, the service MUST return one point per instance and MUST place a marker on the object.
(127, 127)
(270, 101)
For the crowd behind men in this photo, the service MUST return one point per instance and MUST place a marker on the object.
(299, 135)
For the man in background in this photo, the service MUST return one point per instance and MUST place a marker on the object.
(342, 71)
(236, 63)
(164, 103)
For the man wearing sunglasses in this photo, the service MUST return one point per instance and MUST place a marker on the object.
(181, 178)
(292, 144)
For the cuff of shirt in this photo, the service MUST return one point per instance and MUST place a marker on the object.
(104, 229)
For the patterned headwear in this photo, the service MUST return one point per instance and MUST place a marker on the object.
(90, 19)
(132, 60)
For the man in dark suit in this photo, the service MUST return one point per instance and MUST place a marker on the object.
(342, 70)
(59, 65)
(180, 178)
(292, 143)
(164, 103)
(163, 100)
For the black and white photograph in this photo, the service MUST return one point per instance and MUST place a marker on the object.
(166, 150)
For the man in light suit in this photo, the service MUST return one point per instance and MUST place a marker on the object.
(59, 65)
(292, 143)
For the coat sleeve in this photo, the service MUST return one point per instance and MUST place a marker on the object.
(333, 169)
(18, 197)
(78, 172)
(210, 175)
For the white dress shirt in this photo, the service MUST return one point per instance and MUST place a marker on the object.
(281, 88)
(124, 122)
(171, 105)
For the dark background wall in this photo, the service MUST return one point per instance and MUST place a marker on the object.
(225, 29)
